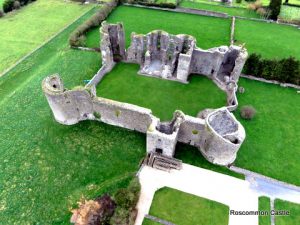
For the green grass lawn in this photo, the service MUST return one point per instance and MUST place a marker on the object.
(24, 30)
(163, 97)
(240, 9)
(264, 205)
(46, 167)
(150, 222)
(186, 209)
(219, 8)
(269, 40)
(294, 209)
(271, 146)
(210, 32)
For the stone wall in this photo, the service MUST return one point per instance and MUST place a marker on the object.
(191, 130)
(174, 57)
(122, 114)
(68, 106)
(222, 137)
(207, 62)
(216, 133)
(162, 137)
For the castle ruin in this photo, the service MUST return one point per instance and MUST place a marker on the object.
(215, 132)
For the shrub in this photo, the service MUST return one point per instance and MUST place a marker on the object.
(97, 115)
(255, 5)
(161, 4)
(17, 5)
(1, 13)
(261, 11)
(238, 1)
(8, 5)
(274, 6)
(126, 200)
(94, 212)
(247, 112)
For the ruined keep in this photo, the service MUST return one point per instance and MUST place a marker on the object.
(216, 132)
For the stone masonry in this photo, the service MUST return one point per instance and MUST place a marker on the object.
(216, 132)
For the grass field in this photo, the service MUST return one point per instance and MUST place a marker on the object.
(294, 209)
(185, 209)
(210, 32)
(219, 8)
(25, 29)
(46, 167)
(269, 40)
(271, 146)
(163, 97)
(264, 205)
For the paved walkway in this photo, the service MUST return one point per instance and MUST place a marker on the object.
(267, 186)
(233, 192)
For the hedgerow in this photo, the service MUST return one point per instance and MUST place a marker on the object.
(9, 5)
(77, 38)
(284, 70)
(163, 4)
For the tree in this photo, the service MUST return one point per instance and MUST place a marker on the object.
(275, 6)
